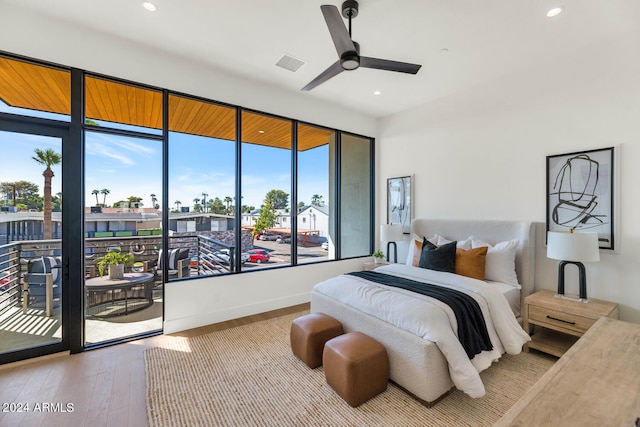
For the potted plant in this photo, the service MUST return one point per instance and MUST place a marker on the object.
(114, 262)
(378, 256)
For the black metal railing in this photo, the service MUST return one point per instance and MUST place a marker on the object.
(214, 256)
(207, 256)
(10, 274)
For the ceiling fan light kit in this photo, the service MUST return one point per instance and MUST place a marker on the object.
(348, 50)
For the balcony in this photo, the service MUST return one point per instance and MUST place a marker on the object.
(30, 321)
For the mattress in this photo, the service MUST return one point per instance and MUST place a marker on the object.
(512, 294)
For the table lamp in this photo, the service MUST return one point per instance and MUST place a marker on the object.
(391, 233)
(573, 248)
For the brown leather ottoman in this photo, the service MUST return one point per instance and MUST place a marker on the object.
(356, 367)
(308, 335)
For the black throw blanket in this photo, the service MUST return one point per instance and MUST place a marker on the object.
(472, 329)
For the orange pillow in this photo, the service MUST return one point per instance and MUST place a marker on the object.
(417, 251)
(471, 262)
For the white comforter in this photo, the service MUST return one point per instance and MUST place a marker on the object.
(433, 320)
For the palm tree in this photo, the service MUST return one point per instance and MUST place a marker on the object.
(178, 203)
(47, 158)
(216, 205)
(104, 192)
(154, 199)
(95, 193)
(228, 201)
(316, 200)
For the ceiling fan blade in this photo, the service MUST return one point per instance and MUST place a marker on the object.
(332, 71)
(385, 64)
(337, 29)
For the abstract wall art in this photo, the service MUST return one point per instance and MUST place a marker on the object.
(399, 202)
(580, 193)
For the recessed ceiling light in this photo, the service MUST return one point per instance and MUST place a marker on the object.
(377, 92)
(260, 131)
(149, 6)
(555, 11)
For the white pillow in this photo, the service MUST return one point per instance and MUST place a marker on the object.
(500, 264)
(462, 244)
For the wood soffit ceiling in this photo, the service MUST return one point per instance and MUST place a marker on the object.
(47, 89)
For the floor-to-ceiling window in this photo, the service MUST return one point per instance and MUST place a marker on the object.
(169, 186)
(123, 210)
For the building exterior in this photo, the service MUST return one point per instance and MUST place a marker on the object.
(310, 218)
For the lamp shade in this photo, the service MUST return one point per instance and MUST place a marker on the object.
(577, 247)
(391, 232)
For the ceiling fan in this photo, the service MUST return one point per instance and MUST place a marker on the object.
(348, 50)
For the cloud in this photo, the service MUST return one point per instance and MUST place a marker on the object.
(118, 148)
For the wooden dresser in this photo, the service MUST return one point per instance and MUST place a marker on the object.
(595, 383)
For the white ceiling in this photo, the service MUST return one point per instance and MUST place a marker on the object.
(485, 39)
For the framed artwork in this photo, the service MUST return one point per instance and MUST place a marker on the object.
(580, 193)
(399, 202)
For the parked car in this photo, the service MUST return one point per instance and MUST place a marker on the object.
(259, 256)
(325, 246)
(270, 237)
(284, 239)
(244, 257)
(4, 281)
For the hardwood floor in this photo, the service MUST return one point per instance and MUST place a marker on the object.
(104, 387)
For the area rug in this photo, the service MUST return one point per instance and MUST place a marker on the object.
(247, 376)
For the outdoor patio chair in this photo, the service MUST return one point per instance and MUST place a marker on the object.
(178, 263)
(42, 282)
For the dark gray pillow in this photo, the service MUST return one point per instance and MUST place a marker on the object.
(439, 258)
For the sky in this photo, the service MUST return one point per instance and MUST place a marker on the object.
(133, 167)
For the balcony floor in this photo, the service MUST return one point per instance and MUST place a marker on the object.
(18, 330)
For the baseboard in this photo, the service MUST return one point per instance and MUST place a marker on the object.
(204, 319)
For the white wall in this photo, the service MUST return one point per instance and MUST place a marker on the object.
(197, 302)
(482, 153)
(205, 301)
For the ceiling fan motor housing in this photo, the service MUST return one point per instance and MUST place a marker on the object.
(350, 9)
(350, 60)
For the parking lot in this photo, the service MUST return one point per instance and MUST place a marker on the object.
(281, 253)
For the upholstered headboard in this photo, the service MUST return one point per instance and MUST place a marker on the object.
(490, 231)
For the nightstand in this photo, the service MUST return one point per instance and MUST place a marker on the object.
(370, 265)
(558, 323)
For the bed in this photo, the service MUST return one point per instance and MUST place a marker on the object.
(426, 364)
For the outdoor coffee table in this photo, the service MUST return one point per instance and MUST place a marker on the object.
(107, 298)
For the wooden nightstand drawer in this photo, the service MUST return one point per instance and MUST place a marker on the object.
(559, 320)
